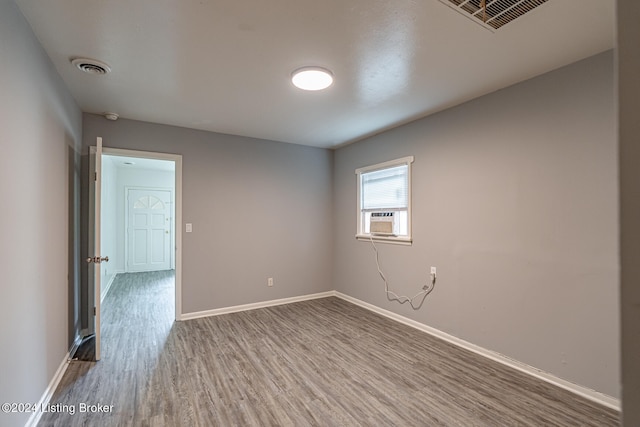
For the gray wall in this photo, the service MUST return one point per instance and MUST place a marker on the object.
(259, 209)
(515, 203)
(629, 134)
(40, 127)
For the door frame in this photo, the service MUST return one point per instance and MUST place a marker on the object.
(127, 212)
(177, 221)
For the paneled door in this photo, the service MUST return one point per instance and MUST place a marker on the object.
(148, 229)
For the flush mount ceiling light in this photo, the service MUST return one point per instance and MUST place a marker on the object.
(312, 78)
(91, 66)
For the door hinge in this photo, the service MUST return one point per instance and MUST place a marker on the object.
(94, 311)
(95, 176)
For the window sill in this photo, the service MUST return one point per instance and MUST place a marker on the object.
(406, 241)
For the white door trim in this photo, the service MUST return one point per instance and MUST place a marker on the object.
(177, 158)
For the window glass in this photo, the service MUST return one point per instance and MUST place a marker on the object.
(384, 201)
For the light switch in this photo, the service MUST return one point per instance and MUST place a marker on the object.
(189, 228)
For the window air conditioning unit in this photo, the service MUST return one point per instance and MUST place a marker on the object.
(382, 223)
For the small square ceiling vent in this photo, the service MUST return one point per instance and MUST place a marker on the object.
(493, 14)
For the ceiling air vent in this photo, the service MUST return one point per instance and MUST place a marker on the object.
(91, 66)
(493, 14)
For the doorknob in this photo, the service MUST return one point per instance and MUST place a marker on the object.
(97, 259)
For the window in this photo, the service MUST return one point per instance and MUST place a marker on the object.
(384, 201)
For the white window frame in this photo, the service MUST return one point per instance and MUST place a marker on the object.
(360, 234)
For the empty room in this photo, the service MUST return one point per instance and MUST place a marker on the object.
(337, 213)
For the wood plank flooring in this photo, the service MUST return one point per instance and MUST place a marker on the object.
(324, 362)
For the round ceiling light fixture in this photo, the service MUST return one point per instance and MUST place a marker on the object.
(111, 116)
(91, 66)
(312, 78)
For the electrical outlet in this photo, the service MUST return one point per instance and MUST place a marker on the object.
(270, 281)
(433, 271)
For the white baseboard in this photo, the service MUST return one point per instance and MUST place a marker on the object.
(585, 392)
(253, 306)
(105, 288)
(48, 393)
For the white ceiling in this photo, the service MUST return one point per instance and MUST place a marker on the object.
(225, 65)
(138, 163)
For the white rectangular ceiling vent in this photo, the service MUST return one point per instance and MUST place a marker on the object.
(493, 14)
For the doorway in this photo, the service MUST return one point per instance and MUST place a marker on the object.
(141, 207)
(154, 181)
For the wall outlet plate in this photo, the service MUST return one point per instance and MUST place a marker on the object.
(433, 270)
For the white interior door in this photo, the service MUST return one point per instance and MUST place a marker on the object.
(148, 230)
(95, 258)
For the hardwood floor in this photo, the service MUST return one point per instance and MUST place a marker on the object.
(324, 362)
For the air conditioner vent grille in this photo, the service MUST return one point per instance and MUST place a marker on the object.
(91, 66)
(494, 14)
